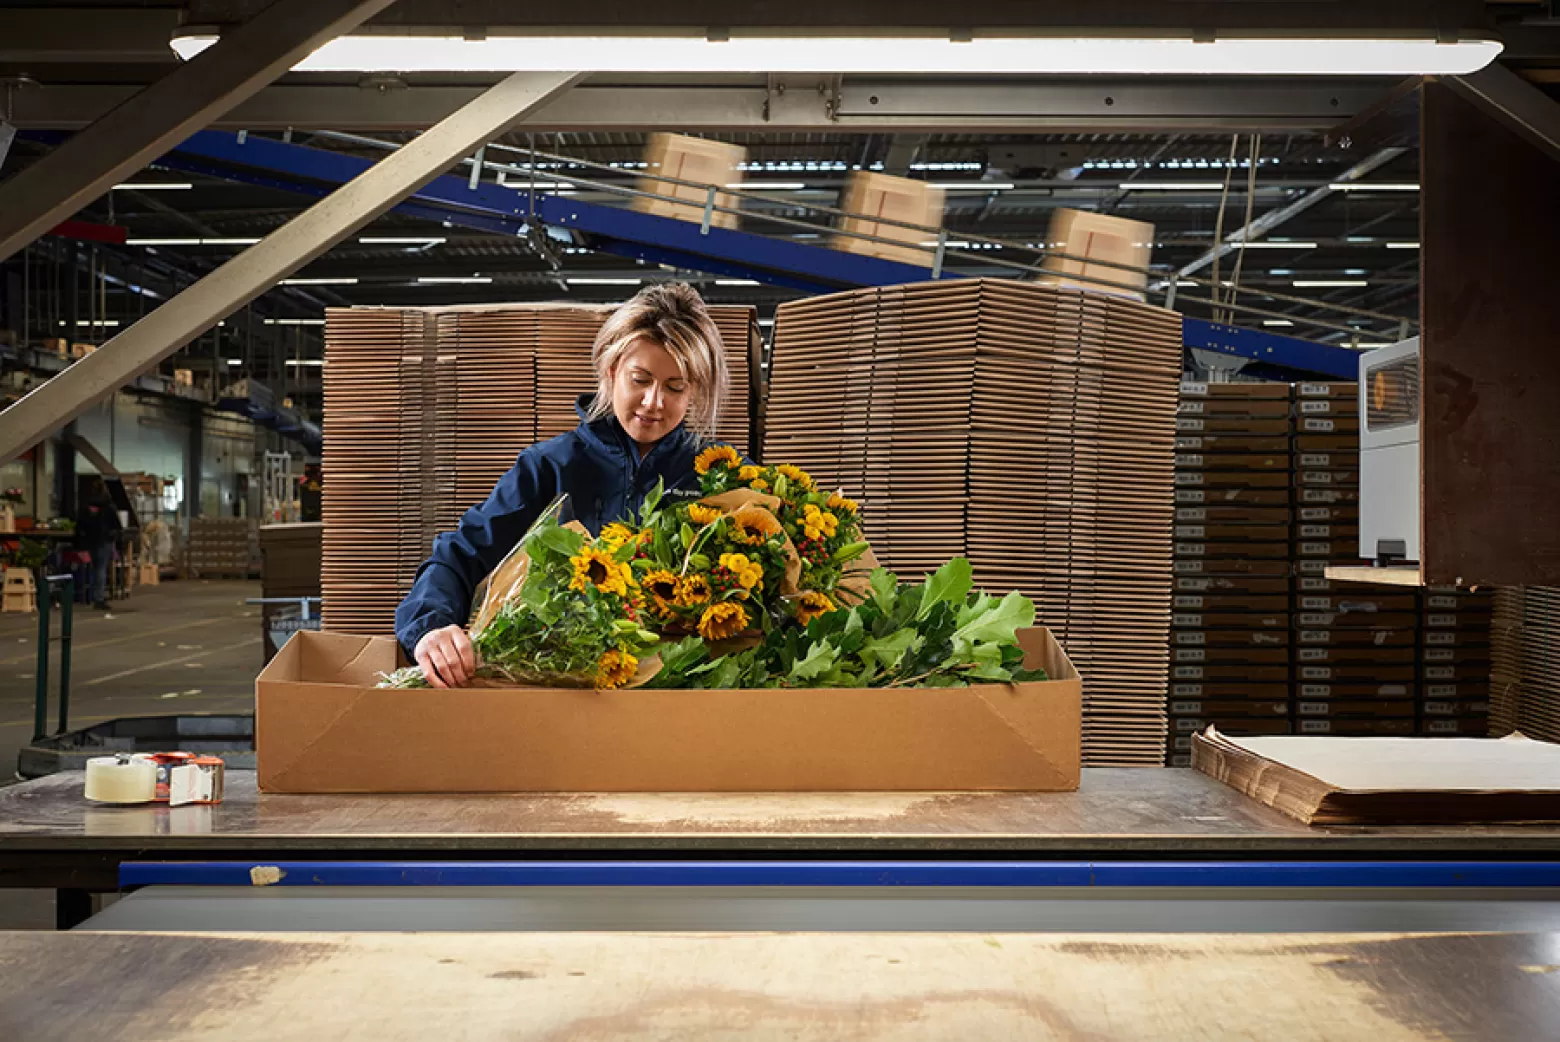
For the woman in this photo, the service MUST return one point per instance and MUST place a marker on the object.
(661, 379)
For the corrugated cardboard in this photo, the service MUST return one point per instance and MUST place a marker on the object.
(1093, 242)
(883, 197)
(321, 726)
(690, 159)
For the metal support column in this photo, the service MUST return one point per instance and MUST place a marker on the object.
(149, 123)
(284, 251)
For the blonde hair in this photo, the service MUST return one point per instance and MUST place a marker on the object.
(673, 315)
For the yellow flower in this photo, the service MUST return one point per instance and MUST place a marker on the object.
(759, 485)
(812, 605)
(716, 455)
(748, 573)
(662, 586)
(693, 591)
(615, 535)
(750, 473)
(722, 620)
(837, 501)
(818, 524)
(597, 568)
(754, 525)
(615, 669)
(703, 515)
(796, 475)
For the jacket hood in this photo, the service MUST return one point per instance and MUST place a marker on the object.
(608, 435)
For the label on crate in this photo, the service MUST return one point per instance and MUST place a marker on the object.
(1186, 707)
(1441, 691)
(1317, 568)
(1182, 601)
(1190, 549)
(1316, 459)
(1183, 423)
(1311, 582)
(1194, 388)
(1317, 477)
(1440, 600)
(1316, 531)
(1440, 620)
(1179, 760)
(1311, 654)
(1188, 566)
(1439, 654)
(1191, 442)
(1187, 672)
(1186, 690)
(1315, 726)
(1195, 408)
(1315, 637)
(1315, 390)
(1194, 584)
(1188, 477)
(1190, 655)
(1316, 549)
(1315, 618)
(1313, 424)
(1440, 672)
(1186, 495)
(1440, 638)
(1316, 672)
(1312, 407)
(1311, 708)
(1315, 604)
(1191, 531)
(1196, 637)
(1191, 621)
(1318, 495)
(1455, 708)
(1266, 638)
(1443, 726)
(1191, 514)
(1189, 460)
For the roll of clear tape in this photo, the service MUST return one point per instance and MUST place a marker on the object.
(121, 779)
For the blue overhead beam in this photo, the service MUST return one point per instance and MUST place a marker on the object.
(1292, 353)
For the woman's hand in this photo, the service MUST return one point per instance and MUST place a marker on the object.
(447, 657)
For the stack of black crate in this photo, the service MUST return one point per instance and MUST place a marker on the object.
(1455, 661)
(1230, 628)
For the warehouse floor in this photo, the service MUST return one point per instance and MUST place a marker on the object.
(190, 647)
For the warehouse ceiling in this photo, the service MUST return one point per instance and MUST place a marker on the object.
(1085, 143)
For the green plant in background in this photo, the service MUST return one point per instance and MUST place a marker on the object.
(935, 634)
(29, 554)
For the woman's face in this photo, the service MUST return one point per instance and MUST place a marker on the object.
(650, 395)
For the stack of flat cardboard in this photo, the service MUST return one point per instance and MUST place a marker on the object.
(425, 409)
(1028, 428)
(1231, 624)
(1526, 679)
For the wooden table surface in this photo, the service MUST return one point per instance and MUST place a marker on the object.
(1120, 812)
(901, 987)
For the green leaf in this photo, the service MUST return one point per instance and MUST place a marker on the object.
(975, 607)
(685, 533)
(890, 650)
(560, 540)
(819, 658)
(699, 563)
(653, 497)
(727, 672)
(1014, 612)
(950, 584)
(989, 671)
(849, 552)
(885, 587)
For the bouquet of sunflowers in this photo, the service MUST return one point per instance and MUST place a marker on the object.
(764, 581)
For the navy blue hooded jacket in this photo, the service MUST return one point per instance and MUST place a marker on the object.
(597, 465)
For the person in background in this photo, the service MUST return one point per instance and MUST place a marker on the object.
(97, 530)
(661, 378)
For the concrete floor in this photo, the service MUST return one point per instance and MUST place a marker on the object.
(190, 647)
(186, 647)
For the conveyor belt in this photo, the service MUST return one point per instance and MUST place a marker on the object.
(944, 909)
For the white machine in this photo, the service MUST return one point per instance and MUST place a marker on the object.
(1389, 453)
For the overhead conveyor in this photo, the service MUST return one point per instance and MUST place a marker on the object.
(514, 209)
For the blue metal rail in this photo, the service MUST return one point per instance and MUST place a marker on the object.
(506, 210)
(1325, 874)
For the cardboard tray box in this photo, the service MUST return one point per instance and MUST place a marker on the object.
(690, 159)
(322, 726)
(873, 198)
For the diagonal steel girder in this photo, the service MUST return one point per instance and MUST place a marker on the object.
(1515, 102)
(290, 247)
(150, 122)
(1281, 215)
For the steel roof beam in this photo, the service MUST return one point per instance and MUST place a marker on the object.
(341, 214)
(1515, 102)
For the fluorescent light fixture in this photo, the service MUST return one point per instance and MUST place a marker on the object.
(1329, 283)
(984, 51)
(228, 242)
(738, 282)
(1278, 244)
(1402, 246)
(319, 282)
(972, 186)
(1185, 282)
(155, 186)
(162, 242)
(601, 282)
(306, 361)
(1356, 271)
(770, 186)
(235, 361)
(106, 322)
(523, 183)
(295, 321)
(400, 240)
(952, 244)
(766, 321)
(1170, 186)
(455, 280)
(1375, 186)
(1277, 322)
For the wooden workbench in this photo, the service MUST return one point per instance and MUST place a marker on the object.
(476, 987)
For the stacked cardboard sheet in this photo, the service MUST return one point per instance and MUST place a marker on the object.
(1230, 633)
(1526, 648)
(425, 409)
(1028, 428)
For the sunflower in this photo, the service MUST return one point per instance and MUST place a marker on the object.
(596, 568)
(716, 455)
(748, 573)
(796, 475)
(693, 591)
(722, 620)
(615, 669)
(837, 501)
(812, 605)
(754, 526)
(615, 535)
(759, 485)
(750, 473)
(662, 587)
(703, 515)
(819, 524)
